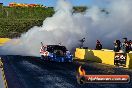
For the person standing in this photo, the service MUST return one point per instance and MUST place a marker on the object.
(125, 45)
(98, 45)
(130, 45)
(82, 41)
(117, 45)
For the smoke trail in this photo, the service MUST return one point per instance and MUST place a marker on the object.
(68, 28)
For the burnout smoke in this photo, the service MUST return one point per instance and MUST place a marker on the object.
(68, 27)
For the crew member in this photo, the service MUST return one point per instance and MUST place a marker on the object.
(98, 45)
(82, 41)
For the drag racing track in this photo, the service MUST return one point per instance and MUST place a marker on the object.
(31, 72)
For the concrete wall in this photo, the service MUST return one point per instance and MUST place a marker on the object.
(129, 61)
(80, 53)
(106, 57)
(4, 40)
(101, 56)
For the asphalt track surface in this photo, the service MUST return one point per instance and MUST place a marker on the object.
(31, 72)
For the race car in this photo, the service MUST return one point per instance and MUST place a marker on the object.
(55, 53)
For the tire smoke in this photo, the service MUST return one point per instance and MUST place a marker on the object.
(67, 28)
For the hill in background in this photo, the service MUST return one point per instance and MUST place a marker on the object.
(16, 20)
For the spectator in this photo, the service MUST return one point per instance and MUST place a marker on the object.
(117, 44)
(125, 45)
(130, 45)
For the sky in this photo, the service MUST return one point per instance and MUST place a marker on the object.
(53, 2)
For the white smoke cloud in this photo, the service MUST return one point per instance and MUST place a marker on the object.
(68, 28)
